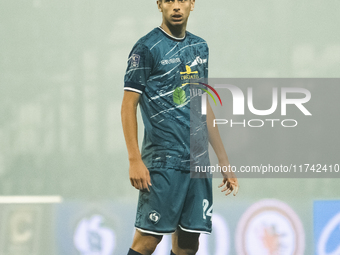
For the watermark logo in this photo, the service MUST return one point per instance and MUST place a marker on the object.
(239, 100)
(243, 103)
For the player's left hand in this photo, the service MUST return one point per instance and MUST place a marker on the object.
(230, 182)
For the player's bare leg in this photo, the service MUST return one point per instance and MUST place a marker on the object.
(184, 243)
(145, 243)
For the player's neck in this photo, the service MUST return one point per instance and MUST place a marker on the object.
(178, 31)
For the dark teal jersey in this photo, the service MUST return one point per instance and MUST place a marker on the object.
(160, 68)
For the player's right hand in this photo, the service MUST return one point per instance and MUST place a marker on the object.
(139, 175)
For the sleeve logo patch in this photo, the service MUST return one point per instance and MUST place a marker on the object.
(135, 60)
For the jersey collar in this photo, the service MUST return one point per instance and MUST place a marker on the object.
(172, 37)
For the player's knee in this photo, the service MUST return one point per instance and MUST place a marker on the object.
(152, 243)
(146, 244)
(189, 245)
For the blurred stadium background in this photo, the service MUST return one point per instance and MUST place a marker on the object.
(62, 65)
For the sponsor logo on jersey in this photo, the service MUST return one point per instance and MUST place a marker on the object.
(189, 74)
(170, 61)
(270, 227)
(154, 217)
(179, 96)
(135, 58)
(199, 61)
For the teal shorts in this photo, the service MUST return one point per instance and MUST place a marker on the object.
(175, 200)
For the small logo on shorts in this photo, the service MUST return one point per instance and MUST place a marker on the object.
(154, 216)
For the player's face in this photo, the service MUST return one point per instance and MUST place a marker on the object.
(176, 12)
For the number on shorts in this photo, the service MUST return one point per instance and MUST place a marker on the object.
(206, 211)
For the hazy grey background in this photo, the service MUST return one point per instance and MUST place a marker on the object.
(62, 65)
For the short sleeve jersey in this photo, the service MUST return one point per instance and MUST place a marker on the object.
(160, 68)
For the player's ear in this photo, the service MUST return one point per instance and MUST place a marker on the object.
(192, 4)
(159, 5)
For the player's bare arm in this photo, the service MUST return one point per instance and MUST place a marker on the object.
(138, 173)
(230, 182)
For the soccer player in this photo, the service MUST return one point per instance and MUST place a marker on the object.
(160, 68)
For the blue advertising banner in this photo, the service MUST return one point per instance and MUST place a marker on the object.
(327, 227)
